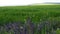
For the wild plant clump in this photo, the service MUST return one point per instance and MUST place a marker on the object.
(28, 27)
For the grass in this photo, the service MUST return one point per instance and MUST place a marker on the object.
(36, 13)
(20, 13)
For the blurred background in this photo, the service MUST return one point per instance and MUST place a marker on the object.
(25, 2)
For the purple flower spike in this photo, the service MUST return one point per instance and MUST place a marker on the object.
(21, 30)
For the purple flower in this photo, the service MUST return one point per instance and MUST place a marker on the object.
(21, 30)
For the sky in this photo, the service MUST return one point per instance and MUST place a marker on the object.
(23, 2)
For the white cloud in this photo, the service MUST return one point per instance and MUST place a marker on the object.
(23, 2)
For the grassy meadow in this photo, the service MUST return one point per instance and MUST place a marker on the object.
(36, 13)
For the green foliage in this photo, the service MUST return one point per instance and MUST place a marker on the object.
(37, 13)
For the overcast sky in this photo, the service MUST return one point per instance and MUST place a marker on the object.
(24, 2)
